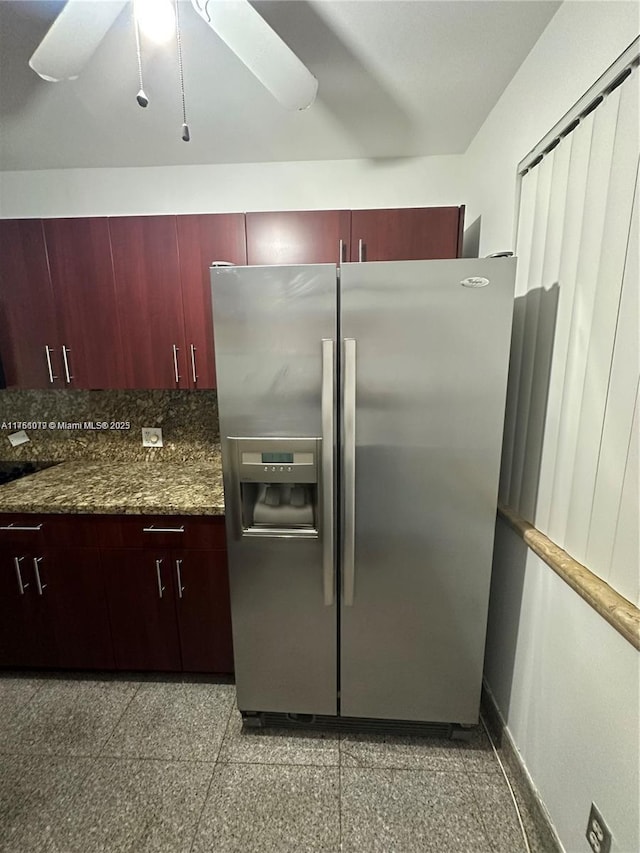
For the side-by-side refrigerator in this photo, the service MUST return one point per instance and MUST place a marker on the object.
(361, 415)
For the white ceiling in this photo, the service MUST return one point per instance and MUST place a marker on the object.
(397, 78)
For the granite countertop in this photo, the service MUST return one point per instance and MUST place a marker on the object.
(133, 488)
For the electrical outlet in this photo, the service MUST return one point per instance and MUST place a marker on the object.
(598, 835)
(151, 437)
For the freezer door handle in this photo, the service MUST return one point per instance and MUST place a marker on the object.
(349, 470)
(328, 561)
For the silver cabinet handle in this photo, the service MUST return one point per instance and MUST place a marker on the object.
(179, 577)
(21, 529)
(349, 469)
(67, 372)
(21, 586)
(36, 570)
(153, 529)
(360, 250)
(328, 560)
(159, 576)
(341, 251)
(175, 363)
(193, 364)
(52, 377)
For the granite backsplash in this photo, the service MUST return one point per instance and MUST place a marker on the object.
(74, 425)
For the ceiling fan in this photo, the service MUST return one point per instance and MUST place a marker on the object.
(81, 25)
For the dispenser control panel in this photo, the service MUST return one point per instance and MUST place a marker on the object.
(277, 460)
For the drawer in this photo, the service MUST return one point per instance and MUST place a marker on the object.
(47, 529)
(23, 530)
(162, 531)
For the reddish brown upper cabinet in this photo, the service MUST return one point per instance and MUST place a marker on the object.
(149, 296)
(298, 237)
(29, 342)
(406, 234)
(79, 253)
(203, 239)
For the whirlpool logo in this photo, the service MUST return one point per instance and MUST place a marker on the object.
(474, 281)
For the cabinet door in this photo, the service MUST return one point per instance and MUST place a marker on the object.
(29, 344)
(298, 237)
(140, 595)
(202, 606)
(26, 638)
(147, 277)
(406, 234)
(77, 608)
(203, 239)
(82, 277)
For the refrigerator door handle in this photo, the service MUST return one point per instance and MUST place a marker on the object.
(349, 470)
(328, 561)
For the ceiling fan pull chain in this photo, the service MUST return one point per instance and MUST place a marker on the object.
(141, 97)
(186, 133)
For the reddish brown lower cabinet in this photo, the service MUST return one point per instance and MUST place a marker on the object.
(77, 608)
(53, 610)
(25, 627)
(202, 608)
(140, 592)
(109, 592)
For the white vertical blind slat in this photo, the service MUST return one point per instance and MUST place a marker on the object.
(616, 433)
(578, 148)
(524, 238)
(546, 327)
(604, 119)
(620, 111)
(530, 325)
(624, 575)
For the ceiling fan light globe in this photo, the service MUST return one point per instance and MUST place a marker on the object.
(156, 19)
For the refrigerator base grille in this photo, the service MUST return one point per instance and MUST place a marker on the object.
(320, 722)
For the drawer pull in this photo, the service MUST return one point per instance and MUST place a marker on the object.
(21, 586)
(21, 529)
(159, 576)
(153, 529)
(39, 583)
(179, 576)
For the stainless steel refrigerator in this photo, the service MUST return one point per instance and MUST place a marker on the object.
(361, 414)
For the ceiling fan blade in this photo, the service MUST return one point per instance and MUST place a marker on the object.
(261, 49)
(73, 38)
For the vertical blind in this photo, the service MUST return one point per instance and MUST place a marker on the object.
(570, 453)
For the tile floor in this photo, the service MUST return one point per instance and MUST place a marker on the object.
(107, 764)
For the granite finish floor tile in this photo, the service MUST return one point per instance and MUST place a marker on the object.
(409, 811)
(179, 721)
(133, 806)
(278, 746)
(68, 717)
(34, 791)
(15, 692)
(499, 819)
(253, 808)
(477, 754)
(410, 753)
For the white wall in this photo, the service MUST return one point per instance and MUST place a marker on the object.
(565, 681)
(579, 44)
(337, 184)
(568, 686)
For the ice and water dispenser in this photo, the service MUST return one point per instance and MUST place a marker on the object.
(276, 485)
